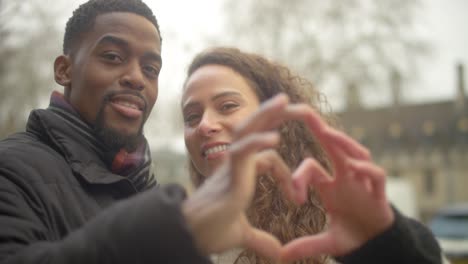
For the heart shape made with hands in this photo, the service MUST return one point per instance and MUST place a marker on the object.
(353, 196)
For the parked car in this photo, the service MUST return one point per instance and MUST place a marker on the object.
(450, 226)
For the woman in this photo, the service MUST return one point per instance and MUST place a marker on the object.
(224, 86)
(270, 211)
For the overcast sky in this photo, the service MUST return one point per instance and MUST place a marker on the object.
(447, 31)
(186, 24)
(443, 24)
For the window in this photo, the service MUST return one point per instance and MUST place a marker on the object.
(429, 181)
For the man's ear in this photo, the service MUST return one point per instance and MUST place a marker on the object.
(62, 71)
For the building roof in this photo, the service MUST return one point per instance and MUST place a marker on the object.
(412, 126)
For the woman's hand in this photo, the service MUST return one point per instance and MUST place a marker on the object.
(353, 196)
(215, 213)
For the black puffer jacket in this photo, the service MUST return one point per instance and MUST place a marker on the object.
(58, 204)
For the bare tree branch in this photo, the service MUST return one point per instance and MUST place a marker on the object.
(30, 41)
(357, 42)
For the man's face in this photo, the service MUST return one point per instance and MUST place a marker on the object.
(114, 76)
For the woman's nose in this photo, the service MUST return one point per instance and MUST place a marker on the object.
(209, 125)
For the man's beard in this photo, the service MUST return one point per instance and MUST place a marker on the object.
(112, 138)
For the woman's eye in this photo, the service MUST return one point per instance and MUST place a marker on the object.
(229, 106)
(191, 119)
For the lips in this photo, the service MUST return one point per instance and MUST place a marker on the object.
(215, 149)
(212, 151)
(128, 105)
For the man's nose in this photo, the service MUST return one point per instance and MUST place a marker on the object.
(133, 77)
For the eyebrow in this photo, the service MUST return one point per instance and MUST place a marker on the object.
(224, 94)
(108, 39)
(113, 40)
(214, 98)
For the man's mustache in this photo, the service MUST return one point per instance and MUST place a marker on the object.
(108, 97)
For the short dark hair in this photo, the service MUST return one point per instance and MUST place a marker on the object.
(84, 16)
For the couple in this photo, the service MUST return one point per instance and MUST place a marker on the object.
(77, 185)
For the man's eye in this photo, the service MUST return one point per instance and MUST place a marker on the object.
(151, 71)
(112, 57)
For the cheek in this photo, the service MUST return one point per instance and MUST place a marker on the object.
(190, 143)
(91, 74)
(241, 116)
(91, 85)
(152, 97)
(88, 99)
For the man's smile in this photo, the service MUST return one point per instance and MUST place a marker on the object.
(128, 105)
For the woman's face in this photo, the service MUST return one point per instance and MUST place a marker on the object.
(214, 101)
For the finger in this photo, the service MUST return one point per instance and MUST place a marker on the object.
(329, 137)
(315, 122)
(309, 246)
(323, 132)
(336, 156)
(265, 118)
(263, 243)
(375, 173)
(269, 161)
(310, 172)
(243, 164)
(271, 114)
(308, 115)
(243, 148)
(348, 145)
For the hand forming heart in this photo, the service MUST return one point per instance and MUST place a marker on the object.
(354, 197)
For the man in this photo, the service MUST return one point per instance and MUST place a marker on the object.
(77, 186)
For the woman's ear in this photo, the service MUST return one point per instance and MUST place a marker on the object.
(62, 71)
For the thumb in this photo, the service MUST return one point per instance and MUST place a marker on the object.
(306, 247)
(309, 172)
(263, 243)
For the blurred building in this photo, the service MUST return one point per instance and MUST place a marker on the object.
(427, 144)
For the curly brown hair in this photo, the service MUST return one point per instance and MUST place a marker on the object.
(269, 210)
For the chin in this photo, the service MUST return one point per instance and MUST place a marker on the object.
(126, 132)
(118, 138)
(211, 170)
(117, 133)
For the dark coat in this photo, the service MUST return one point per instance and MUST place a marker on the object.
(58, 205)
(406, 241)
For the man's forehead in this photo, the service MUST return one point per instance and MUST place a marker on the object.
(125, 23)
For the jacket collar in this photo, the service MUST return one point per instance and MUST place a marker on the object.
(64, 131)
(83, 159)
